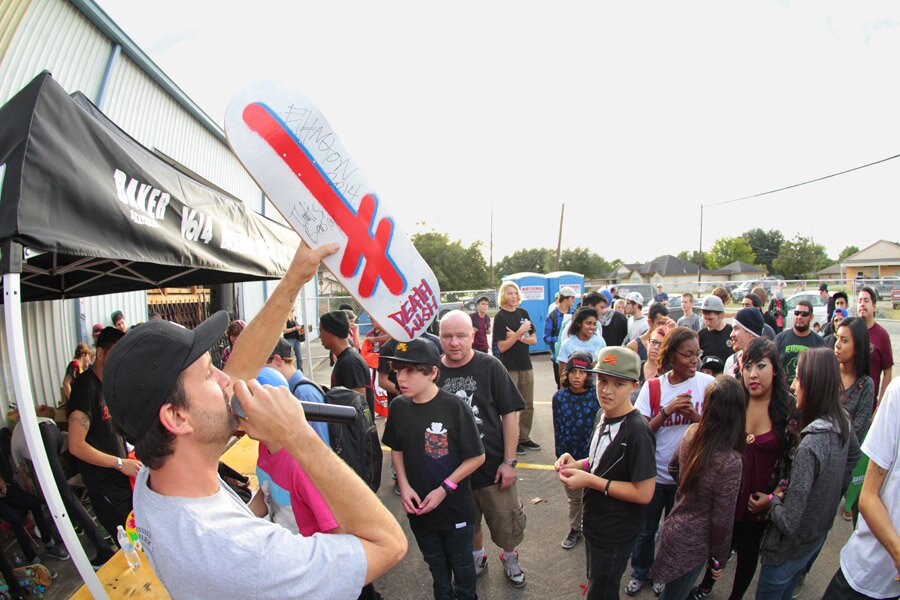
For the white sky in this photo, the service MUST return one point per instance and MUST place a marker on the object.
(631, 113)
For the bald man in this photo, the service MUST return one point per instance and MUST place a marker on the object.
(484, 384)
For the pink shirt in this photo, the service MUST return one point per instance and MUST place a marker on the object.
(288, 485)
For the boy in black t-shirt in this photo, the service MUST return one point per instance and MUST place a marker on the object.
(619, 476)
(435, 447)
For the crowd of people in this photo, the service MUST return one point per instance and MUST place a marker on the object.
(723, 441)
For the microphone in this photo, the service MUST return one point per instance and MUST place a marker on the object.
(316, 412)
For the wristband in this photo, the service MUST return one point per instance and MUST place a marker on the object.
(770, 497)
(663, 412)
(585, 465)
(118, 463)
(450, 484)
(606, 489)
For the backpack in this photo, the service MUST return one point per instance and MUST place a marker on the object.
(357, 444)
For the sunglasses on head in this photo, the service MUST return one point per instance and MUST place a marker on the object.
(802, 313)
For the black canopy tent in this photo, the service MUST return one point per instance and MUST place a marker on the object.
(100, 213)
(85, 209)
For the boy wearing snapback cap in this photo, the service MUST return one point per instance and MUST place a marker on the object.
(435, 446)
(618, 476)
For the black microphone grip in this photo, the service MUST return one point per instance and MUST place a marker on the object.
(316, 412)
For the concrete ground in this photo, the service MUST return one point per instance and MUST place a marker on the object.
(551, 572)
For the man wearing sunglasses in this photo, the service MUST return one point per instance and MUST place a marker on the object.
(791, 342)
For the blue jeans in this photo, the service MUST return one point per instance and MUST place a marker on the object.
(642, 555)
(448, 553)
(297, 345)
(777, 582)
(680, 588)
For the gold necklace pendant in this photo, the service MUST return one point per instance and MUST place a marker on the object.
(751, 438)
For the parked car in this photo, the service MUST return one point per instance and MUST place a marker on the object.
(674, 306)
(738, 293)
(820, 311)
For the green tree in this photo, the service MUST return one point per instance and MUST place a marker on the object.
(765, 244)
(691, 257)
(584, 261)
(728, 250)
(456, 267)
(799, 257)
(537, 260)
(848, 251)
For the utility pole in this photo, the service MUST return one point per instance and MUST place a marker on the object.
(491, 250)
(700, 252)
(562, 214)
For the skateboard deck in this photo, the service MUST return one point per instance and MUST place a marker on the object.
(295, 156)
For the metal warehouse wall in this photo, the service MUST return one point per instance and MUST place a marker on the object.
(56, 35)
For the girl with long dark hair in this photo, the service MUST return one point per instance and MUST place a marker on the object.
(851, 347)
(670, 403)
(772, 434)
(708, 462)
(802, 514)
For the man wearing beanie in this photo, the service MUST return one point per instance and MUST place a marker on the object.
(350, 368)
(172, 403)
(791, 342)
(748, 324)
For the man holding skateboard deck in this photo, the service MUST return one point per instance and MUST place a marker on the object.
(202, 541)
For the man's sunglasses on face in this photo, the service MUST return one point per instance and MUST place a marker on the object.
(802, 313)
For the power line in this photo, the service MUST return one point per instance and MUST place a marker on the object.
(787, 187)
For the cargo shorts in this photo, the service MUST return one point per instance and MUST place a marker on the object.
(503, 512)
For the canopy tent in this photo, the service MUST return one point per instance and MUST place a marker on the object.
(100, 213)
(85, 209)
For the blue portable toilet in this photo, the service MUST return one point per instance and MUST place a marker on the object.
(560, 279)
(536, 300)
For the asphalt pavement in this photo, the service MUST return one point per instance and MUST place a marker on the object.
(552, 572)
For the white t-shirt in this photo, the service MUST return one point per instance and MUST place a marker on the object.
(573, 344)
(865, 563)
(669, 435)
(18, 445)
(214, 547)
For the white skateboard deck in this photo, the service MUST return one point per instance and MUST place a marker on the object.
(295, 156)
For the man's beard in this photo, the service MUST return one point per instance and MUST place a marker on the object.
(801, 328)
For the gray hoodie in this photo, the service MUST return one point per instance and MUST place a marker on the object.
(820, 474)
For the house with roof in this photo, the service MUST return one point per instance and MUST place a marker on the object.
(881, 259)
(831, 273)
(739, 271)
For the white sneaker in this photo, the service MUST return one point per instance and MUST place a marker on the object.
(481, 565)
(514, 572)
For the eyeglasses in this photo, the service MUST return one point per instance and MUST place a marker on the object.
(655, 343)
(691, 356)
(802, 313)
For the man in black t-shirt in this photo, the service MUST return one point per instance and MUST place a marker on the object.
(98, 450)
(350, 369)
(435, 447)
(514, 335)
(483, 383)
(715, 337)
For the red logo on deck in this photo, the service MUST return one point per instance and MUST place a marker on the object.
(417, 311)
(362, 243)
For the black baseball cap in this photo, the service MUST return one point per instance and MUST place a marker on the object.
(418, 351)
(142, 369)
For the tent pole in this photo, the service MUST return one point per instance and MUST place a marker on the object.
(15, 347)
